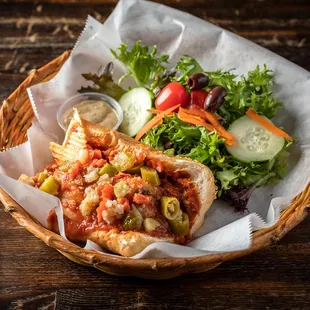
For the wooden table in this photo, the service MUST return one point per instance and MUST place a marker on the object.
(33, 276)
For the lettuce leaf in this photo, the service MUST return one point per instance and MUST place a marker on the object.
(102, 84)
(208, 148)
(236, 180)
(142, 63)
(253, 90)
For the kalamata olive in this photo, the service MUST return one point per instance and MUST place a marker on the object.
(215, 99)
(198, 81)
(168, 145)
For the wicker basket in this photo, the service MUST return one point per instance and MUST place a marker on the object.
(15, 118)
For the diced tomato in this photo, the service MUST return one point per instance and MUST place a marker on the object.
(142, 199)
(94, 162)
(102, 207)
(106, 191)
(76, 169)
(156, 164)
(100, 162)
(97, 154)
(120, 176)
(125, 203)
(140, 156)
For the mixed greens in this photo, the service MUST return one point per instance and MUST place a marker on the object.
(235, 178)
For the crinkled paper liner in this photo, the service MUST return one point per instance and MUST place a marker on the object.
(223, 229)
(232, 237)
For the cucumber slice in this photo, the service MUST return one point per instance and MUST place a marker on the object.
(253, 142)
(135, 104)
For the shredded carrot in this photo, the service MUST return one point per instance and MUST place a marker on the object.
(155, 121)
(172, 109)
(268, 125)
(154, 111)
(187, 118)
(212, 119)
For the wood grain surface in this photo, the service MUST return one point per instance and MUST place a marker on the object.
(33, 276)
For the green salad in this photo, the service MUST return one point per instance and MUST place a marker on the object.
(215, 117)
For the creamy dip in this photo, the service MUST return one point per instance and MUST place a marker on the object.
(95, 111)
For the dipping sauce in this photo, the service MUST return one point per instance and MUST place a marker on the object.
(95, 111)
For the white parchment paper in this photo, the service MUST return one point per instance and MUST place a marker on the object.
(175, 33)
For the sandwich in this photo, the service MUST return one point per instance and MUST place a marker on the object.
(123, 194)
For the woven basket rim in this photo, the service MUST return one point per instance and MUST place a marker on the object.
(145, 267)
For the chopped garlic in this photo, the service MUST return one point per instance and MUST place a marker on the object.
(89, 202)
(114, 211)
(104, 178)
(92, 175)
(150, 224)
(121, 189)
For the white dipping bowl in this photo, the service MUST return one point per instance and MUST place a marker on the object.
(72, 101)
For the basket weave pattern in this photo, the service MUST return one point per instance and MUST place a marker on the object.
(15, 118)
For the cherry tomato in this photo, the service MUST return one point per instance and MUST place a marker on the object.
(173, 94)
(198, 97)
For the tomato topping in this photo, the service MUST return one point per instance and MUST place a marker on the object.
(76, 169)
(198, 97)
(140, 156)
(106, 191)
(97, 154)
(102, 207)
(125, 203)
(173, 94)
(156, 164)
(142, 199)
(98, 162)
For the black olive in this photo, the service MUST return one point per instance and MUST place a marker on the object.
(215, 99)
(198, 81)
(168, 145)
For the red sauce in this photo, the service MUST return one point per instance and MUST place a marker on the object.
(146, 197)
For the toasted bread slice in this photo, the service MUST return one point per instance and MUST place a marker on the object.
(81, 132)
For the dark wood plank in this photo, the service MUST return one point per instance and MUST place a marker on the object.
(37, 274)
(34, 276)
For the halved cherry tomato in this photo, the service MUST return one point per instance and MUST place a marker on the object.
(198, 97)
(173, 94)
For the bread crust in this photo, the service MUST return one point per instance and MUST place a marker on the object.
(130, 243)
